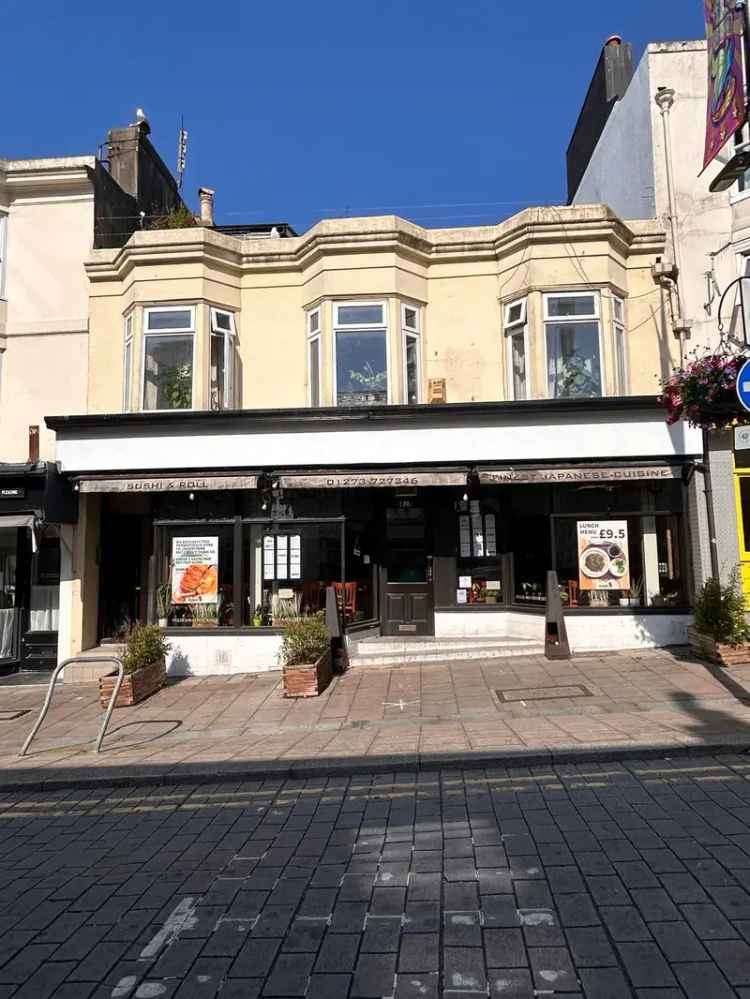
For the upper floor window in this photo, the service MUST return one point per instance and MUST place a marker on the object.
(223, 359)
(168, 357)
(515, 326)
(360, 338)
(620, 343)
(410, 330)
(571, 326)
(127, 372)
(313, 356)
(3, 239)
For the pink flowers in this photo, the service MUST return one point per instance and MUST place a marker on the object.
(703, 392)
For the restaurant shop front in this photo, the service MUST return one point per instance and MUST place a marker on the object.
(427, 520)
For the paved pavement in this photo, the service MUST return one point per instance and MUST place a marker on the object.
(403, 716)
(597, 880)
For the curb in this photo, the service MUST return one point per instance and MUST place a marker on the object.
(212, 773)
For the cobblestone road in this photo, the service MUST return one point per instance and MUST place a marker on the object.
(598, 880)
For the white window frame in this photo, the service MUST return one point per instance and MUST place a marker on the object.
(148, 310)
(519, 327)
(230, 355)
(596, 316)
(412, 333)
(3, 245)
(619, 337)
(314, 338)
(365, 327)
(127, 363)
(741, 188)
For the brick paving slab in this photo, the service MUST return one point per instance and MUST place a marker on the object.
(605, 880)
(653, 702)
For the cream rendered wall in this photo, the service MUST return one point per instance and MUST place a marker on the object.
(49, 235)
(461, 278)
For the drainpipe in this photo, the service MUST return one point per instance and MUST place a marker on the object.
(681, 328)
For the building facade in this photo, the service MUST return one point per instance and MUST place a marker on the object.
(430, 420)
(53, 212)
(657, 125)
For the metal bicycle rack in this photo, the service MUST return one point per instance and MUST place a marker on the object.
(51, 690)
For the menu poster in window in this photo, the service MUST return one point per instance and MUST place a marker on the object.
(489, 534)
(603, 557)
(269, 554)
(478, 535)
(295, 556)
(282, 544)
(461, 597)
(464, 536)
(195, 570)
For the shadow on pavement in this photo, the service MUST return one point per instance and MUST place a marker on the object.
(110, 745)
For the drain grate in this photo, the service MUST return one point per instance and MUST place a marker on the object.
(12, 715)
(542, 693)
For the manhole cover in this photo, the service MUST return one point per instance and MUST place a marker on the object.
(12, 715)
(542, 693)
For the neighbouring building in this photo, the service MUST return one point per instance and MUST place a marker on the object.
(428, 419)
(624, 153)
(53, 212)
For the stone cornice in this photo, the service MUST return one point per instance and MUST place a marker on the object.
(387, 233)
(55, 174)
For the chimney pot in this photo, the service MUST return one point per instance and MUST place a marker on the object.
(206, 197)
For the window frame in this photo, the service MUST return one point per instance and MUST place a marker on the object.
(127, 362)
(620, 340)
(178, 332)
(596, 317)
(411, 333)
(314, 339)
(365, 328)
(518, 328)
(3, 246)
(231, 341)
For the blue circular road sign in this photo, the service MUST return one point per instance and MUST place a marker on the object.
(743, 385)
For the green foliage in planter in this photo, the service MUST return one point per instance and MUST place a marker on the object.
(163, 599)
(179, 218)
(145, 645)
(720, 611)
(305, 640)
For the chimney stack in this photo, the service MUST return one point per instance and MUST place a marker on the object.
(206, 196)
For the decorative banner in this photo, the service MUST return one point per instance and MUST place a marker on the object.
(195, 570)
(725, 110)
(603, 557)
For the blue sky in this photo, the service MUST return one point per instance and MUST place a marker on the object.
(445, 113)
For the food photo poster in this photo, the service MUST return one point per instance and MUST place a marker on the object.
(195, 570)
(603, 558)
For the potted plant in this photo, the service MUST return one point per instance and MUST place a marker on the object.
(703, 392)
(306, 656)
(206, 615)
(163, 603)
(636, 592)
(258, 616)
(144, 660)
(721, 632)
(285, 608)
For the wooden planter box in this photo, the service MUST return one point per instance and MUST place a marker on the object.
(716, 652)
(308, 679)
(135, 686)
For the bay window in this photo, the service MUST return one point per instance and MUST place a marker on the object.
(516, 333)
(313, 357)
(168, 357)
(572, 337)
(410, 330)
(223, 355)
(620, 345)
(360, 338)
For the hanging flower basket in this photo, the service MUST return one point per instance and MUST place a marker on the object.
(704, 392)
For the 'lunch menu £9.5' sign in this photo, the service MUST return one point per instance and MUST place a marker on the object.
(603, 557)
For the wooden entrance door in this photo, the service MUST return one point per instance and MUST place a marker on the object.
(407, 598)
